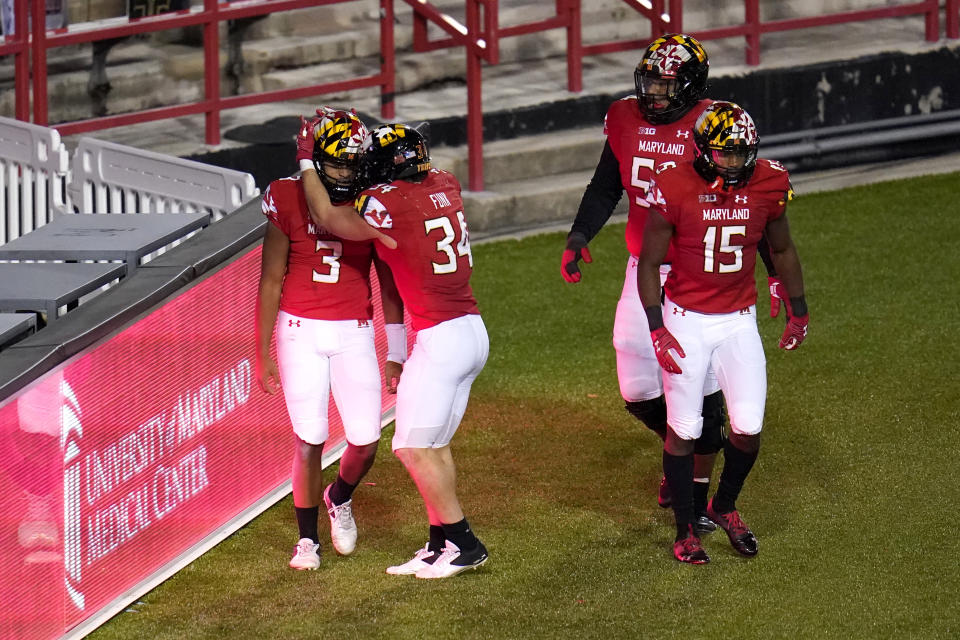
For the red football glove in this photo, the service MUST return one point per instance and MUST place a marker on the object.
(576, 250)
(305, 139)
(778, 294)
(795, 332)
(663, 342)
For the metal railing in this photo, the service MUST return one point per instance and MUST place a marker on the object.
(665, 19)
(480, 37)
(37, 41)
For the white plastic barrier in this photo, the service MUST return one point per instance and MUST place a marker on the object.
(113, 178)
(34, 171)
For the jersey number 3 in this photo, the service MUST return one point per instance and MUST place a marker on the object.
(445, 245)
(331, 260)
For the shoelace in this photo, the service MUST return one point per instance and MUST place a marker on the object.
(339, 510)
(446, 556)
(304, 548)
(736, 524)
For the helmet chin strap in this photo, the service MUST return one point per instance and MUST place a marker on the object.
(718, 184)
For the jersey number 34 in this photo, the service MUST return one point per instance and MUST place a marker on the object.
(445, 245)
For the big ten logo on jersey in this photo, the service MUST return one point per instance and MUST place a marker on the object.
(446, 259)
(646, 131)
(440, 200)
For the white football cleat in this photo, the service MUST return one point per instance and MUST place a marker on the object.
(343, 528)
(305, 555)
(419, 561)
(453, 561)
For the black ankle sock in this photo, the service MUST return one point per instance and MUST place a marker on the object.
(679, 473)
(437, 539)
(307, 522)
(736, 466)
(459, 533)
(341, 490)
(700, 491)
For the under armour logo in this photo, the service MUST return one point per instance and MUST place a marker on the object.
(740, 199)
(293, 323)
(677, 311)
(683, 133)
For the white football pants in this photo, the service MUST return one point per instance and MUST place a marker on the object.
(317, 356)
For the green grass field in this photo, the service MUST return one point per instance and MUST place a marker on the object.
(851, 499)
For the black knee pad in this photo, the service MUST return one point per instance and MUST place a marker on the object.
(712, 438)
(652, 413)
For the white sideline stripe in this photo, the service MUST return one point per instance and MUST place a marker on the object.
(140, 589)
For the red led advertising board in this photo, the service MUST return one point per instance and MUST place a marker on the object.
(117, 463)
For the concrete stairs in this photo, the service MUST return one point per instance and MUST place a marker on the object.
(530, 181)
(289, 49)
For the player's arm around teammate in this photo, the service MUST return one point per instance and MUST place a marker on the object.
(423, 208)
(317, 285)
(340, 219)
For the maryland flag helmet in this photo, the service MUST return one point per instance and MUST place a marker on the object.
(337, 149)
(671, 77)
(725, 140)
(395, 152)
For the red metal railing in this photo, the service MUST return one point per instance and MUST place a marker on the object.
(953, 18)
(18, 45)
(483, 44)
(663, 21)
(480, 37)
(209, 17)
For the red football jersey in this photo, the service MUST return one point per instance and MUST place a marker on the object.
(432, 263)
(716, 234)
(327, 278)
(642, 149)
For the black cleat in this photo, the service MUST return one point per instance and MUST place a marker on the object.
(704, 525)
(689, 550)
(742, 539)
(664, 497)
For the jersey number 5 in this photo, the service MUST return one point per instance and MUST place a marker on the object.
(710, 249)
(331, 259)
(635, 181)
(445, 244)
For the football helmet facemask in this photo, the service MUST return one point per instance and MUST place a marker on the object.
(671, 77)
(337, 149)
(725, 143)
(394, 152)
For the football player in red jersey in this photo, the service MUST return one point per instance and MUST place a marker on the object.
(315, 287)
(645, 132)
(422, 208)
(325, 201)
(714, 213)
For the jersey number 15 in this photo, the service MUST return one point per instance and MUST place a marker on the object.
(710, 249)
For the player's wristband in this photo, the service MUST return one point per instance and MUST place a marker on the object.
(798, 306)
(396, 342)
(306, 164)
(654, 317)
